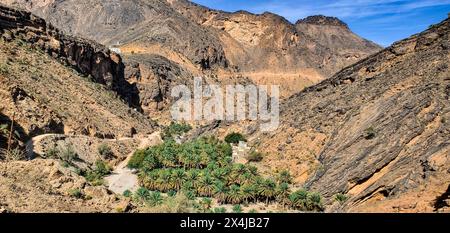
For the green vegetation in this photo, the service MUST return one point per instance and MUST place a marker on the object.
(127, 193)
(4, 69)
(14, 154)
(175, 129)
(205, 204)
(234, 138)
(370, 133)
(67, 154)
(137, 159)
(254, 156)
(237, 209)
(95, 176)
(105, 151)
(156, 202)
(341, 198)
(306, 201)
(220, 210)
(76, 193)
(203, 168)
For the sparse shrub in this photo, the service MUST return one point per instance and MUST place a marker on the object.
(137, 159)
(284, 177)
(102, 168)
(314, 202)
(68, 154)
(252, 211)
(177, 204)
(370, 133)
(3, 69)
(105, 151)
(190, 195)
(14, 154)
(52, 153)
(127, 193)
(76, 193)
(206, 204)
(95, 176)
(254, 156)
(172, 193)
(220, 210)
(234, 138)
(341, 198)
(237, 209)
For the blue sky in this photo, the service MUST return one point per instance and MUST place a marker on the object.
(382, 21)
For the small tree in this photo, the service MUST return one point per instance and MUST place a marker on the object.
(234, 138)
(105, 151)
(237, 209)
(254, 156)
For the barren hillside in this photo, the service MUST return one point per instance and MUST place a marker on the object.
(377, 131)
(265, 48)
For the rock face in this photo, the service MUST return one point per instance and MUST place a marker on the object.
(377, 131)
(265, 48)
(88, 57)
(271, 44)
(54, 83)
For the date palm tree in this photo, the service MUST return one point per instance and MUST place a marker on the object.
(237, 172)
(284, 177)
(298, 199)
(220, 192)
(206, 187)
(282, 194)
(148, 179)
(248, 192)
(267, 189)
(178, 178)
(235, 195)
(164, 181)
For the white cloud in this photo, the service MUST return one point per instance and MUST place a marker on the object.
(294, 10)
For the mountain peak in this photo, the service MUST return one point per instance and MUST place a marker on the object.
(323, 20)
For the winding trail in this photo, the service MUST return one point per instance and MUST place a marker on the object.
(122, 178)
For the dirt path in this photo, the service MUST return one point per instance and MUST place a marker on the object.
(124, 178)
(33, 145)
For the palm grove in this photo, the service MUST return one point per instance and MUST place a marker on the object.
(203, 167)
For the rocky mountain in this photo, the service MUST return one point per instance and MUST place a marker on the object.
(64, 97)
(55, 83)
(265, 48)
(376, 132)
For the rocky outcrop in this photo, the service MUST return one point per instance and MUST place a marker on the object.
(54, 83)
(154, 77)
(88, 57)
(266, 47)
(323, 20)
(377, 132)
